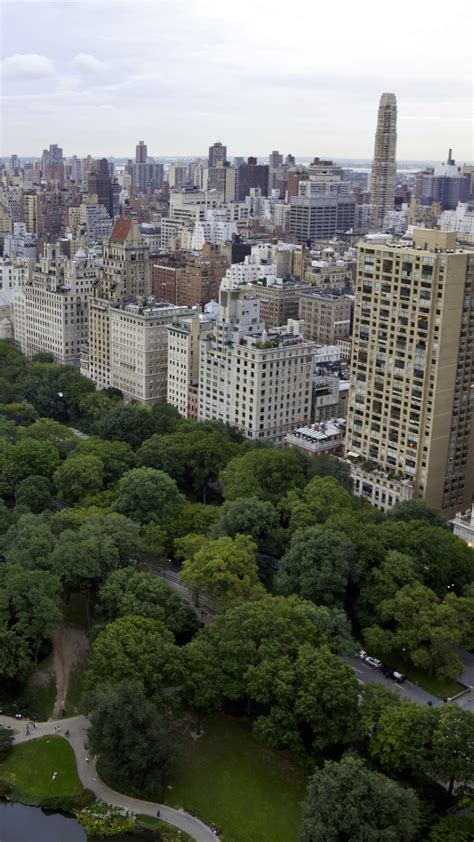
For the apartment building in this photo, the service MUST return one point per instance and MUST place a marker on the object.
(201, 277)
(410, 431)
(256, 380)
(184, 335)
(126, 262)
(327, 315)
(51, 308)
(279, 299)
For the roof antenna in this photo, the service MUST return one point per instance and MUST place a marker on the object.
(450, 160)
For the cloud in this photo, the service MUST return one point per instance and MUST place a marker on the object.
(27, 65)
(87, 63)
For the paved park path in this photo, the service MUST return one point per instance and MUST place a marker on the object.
(77, 726)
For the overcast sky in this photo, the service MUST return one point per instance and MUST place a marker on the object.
(96, 76)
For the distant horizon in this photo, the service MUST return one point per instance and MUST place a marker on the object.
(261, 158)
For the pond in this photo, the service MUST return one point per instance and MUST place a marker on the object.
(29, 824)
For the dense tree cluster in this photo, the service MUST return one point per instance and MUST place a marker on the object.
(291, 562)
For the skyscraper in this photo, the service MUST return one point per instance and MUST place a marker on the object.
(141, 152)
(409, 425)
(384, 166)
(217, 154)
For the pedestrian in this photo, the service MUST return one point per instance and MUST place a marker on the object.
(34, 724)
(430, 703)
(66, 733)
(158, 813)
(87, 759)
(27, 731)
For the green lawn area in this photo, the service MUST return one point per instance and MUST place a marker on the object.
(29, 770)
(227, 777)
(168, 833)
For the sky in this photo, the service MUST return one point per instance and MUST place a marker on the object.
(96, 76)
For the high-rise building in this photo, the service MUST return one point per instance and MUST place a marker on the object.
(184, 335)
(53, 306)
(201, 277)
(252, 174)
(126, 263)
(321, 216)
(275, 159)
(410, 430)
(445, 183)
(279, 299)
(222, 179)
(257, 381)
(141, 152)
(217, 154)
(100, 183)
(327, 315)
(384, 166)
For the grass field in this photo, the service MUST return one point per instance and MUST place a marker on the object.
(168, 833)
(30, 766)
(227, 777)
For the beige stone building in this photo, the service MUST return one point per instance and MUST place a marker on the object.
(256, 380)
(126, 263)
(327, 315)
(184, 335)
(384, 166)
(410, 429)
(279, 299)
(51, 309)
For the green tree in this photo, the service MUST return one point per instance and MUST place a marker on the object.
(34, 493)
(321, 498)
(265, 473)
(166, 418)
(224, 569)
(347, 802)
(401, 742)
(78, 476)
(254, 517)
(29, 604)
(136, 649)
(26, 458)
(416, 510)
(29, 542)
(330, 466)
(131, 423)
(375, 700)
(45, 429)
(383, 582)
(316, 566)
(15, 658)
(425, 628)
(117, 457)
(453, 747)
(132, 740)
(20, 413)
(82, 559)
(444, 561)
(132, 591)
(146, 494)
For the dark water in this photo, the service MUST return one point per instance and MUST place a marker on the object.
(29, 824)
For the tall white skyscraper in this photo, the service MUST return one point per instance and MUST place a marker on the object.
(384, 166)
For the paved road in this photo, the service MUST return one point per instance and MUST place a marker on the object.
(78, 433)
(407, 690)
(78, 726)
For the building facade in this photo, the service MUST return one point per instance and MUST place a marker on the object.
(384, 166)
(410, 404)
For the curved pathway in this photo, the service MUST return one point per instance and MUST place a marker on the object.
(78, 726)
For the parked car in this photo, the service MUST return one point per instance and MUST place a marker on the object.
(362, 654)
(373, 662)
(391, 673)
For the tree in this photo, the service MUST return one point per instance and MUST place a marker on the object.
(330, 466)
(401, 744)
(453, 747)
(124, 534)
(132, 591)
(132, 423)
(166, 418)
(316, 566)
(224, 569)
(375, 700)
(416, 510)
(82, 559)
(132, 739)
(28, 458)
(35, 493)
(6, 742)
(29, 604)
(15, 658)
(422, 626)
(20, 413)
(347, 802)
(264, 473)
(29, 542)
(444, 561)
(253, 517)
(321, 498)
(78, 476)
(146, 494)
(45, 429)
(136, 649)
(383, 582)
(117, 457)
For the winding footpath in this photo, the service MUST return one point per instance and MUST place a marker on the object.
(77, 726)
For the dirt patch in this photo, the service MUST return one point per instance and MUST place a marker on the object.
(70, 645)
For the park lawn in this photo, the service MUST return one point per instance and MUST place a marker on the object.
(29, 768)
(168, 833)
(227, 777)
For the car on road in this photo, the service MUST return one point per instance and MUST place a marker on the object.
(362, 654)
(394, 674)
(373, 662)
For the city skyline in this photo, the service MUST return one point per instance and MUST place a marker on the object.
(254, 76)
